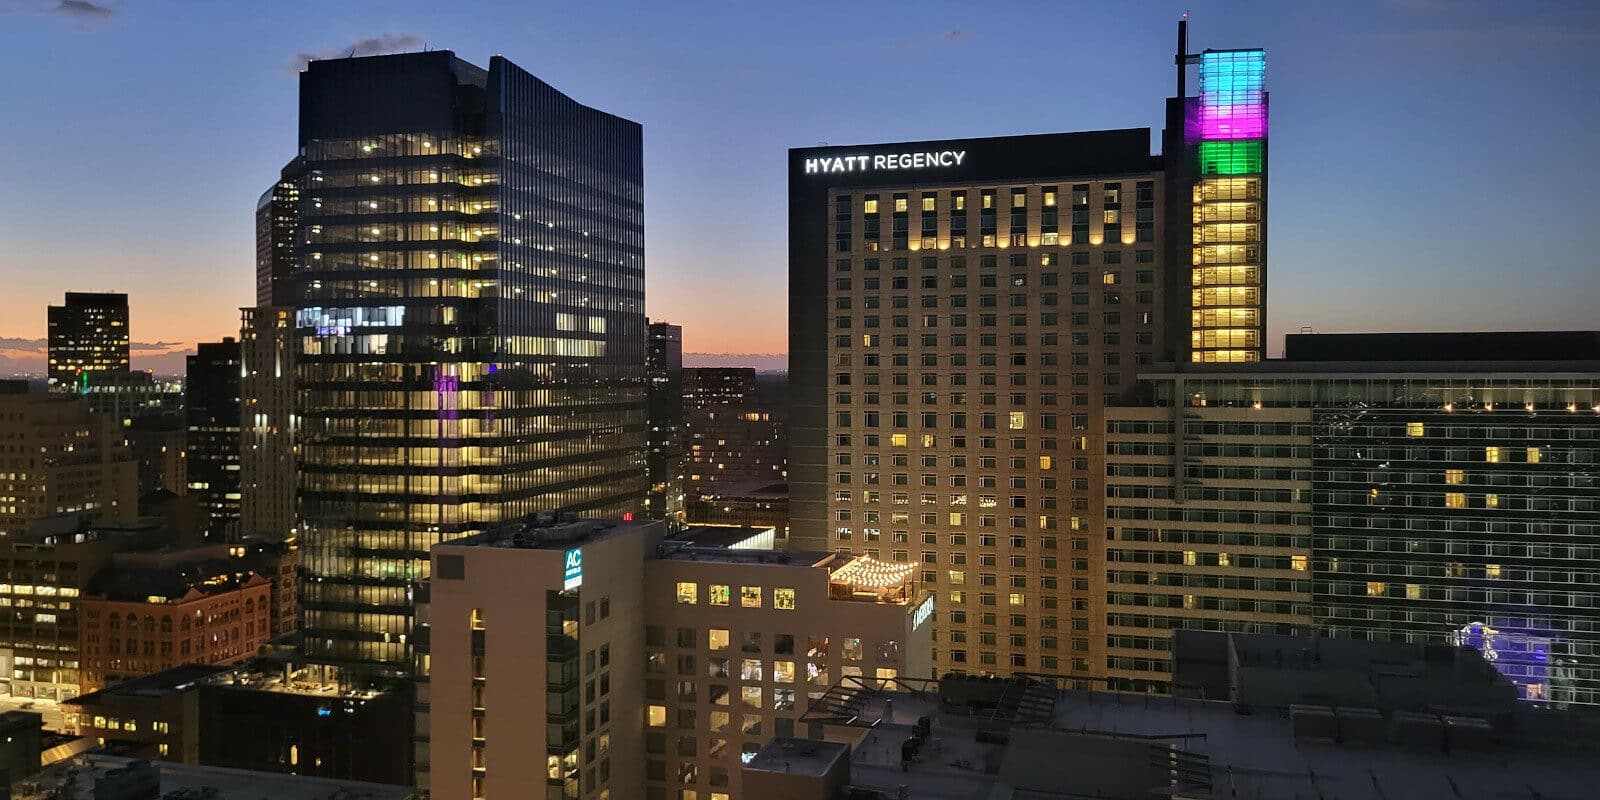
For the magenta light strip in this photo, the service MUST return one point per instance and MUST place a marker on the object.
(1233, 122)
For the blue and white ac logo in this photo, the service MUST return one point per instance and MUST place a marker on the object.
(572, 573)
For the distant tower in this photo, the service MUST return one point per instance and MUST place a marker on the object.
(89, 333)
(664, 357)
(211, 408)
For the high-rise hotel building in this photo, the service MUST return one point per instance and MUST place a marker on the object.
(961, 314)
(470, 313)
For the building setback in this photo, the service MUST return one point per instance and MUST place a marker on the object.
(88, 334)
(733, 645)
(471, 317)
(1435, 497)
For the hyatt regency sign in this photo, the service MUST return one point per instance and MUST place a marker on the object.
(884, 161)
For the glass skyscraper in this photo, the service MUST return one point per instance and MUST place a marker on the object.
(470, 310)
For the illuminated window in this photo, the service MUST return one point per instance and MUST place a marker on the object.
(961, 202)
(750, 596)
(1415, 429)
(927, 203)
(688, 593)
(897, 439)
(1298, 563)
(717, 638)
(1111, 278)
(1189, 558)
(1047, 462)
(852, 648)
(1491, 501)
(1455, 500)
(1223, 560)
(1018, 420)
(657, 716)
(1377, 588)
(1491, 454)
(783, 599)
(1491, 571)
(1113, 216)
(1413, 591)
(477, 619)
(1533, 455)
(958, 577)
(719, 594)
(1049, 199)
(783, 672)
(1455, 477)
(1018, 599)
(870, 206)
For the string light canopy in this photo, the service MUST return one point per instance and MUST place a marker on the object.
(865, 572)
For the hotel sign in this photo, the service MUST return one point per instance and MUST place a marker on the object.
(922, 613)
(572, 572)
(823, 165)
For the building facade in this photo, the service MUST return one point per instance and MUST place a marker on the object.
(140, 620)
(277, 219)
(88, 334)
(1443, 501)
(57, 458)
(944, 386)
(665, 360)
(733, 644)
(212, 416)
(470, 315)
(268, 424)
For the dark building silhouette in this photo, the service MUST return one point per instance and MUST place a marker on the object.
(211, 411)
(665, 357)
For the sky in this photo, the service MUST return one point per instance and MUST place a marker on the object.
(1433, 161)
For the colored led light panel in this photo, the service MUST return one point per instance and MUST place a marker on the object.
(1230, 158)
(1232, 101)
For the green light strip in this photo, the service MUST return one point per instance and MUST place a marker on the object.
(1230, 158)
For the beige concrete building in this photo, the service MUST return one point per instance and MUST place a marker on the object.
(734, 645)
(968, 360)
(57, 457)
(268, 424)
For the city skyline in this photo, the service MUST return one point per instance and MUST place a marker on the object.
(715, 141)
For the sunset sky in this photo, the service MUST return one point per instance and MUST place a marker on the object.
(1432, 162)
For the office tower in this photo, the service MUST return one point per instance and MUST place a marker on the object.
(211, 410)
(1216, 160)
(706, 387)
(138, 620)
(665, 360)
(277, 216)
(88, 334)
(1448, 493)
(61, 459)
(471, 320)
(669, 663)
(268, 425)
(945, 385)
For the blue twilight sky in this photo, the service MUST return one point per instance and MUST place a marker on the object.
(1433, 162)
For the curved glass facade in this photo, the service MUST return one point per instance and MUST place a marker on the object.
(471, 327)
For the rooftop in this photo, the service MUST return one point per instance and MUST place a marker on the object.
(547, 534)
(159, 684)
(798, 756)
(733, 537)
(1509, 346)
(229, 783)
(1024, 738)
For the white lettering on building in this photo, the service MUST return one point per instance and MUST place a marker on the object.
(827, 165)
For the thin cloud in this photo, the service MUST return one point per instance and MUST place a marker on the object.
(383, 43)
(39, 346)
(82, 10)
